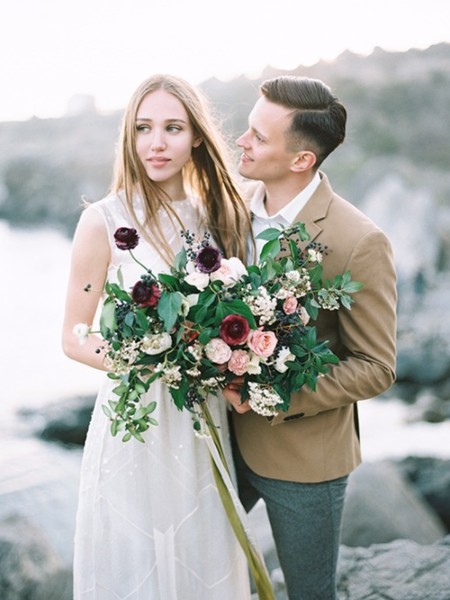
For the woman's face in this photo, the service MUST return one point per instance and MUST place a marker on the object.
(164, 139)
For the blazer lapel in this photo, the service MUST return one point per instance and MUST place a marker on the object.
(315, 210)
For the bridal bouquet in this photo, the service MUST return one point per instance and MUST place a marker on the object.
(211, 319)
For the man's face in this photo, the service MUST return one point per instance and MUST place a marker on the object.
(265, 153)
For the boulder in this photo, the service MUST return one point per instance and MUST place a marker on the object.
(29, 567)
(381, 506)
(66, 421)
(400, 570)
(431, 478)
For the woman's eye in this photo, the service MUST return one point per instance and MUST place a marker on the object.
(173, 128)
(142, 128)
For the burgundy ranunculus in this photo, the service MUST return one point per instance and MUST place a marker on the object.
(145, 294)
(208, 259)
(126, 238)
(234, 329)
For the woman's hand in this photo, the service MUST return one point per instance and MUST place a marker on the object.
(232, 394)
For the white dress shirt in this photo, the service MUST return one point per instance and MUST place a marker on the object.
(283, 218)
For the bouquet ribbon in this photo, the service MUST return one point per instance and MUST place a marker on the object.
(234, 509)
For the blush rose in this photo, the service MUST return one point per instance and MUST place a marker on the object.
(239, 362)
(262, 343)
(218, 351)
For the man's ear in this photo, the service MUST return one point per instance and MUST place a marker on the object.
(304, 161)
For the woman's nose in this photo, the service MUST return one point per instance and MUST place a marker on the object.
(158, 142)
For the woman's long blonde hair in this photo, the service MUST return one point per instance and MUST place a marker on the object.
(207, 174)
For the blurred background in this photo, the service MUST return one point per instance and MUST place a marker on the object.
(67, 72)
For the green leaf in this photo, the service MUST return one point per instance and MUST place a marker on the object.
(107, 411)
(169, 280)
(180, 260)
(270, 234)
(141, 320)
(352, 287)
(270, 250)
(137, 435)
(108, 318)
(168, 308)
(129, 319)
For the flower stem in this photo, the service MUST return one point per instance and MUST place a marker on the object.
(137, 261)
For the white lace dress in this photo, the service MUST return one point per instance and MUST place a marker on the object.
(150, 521)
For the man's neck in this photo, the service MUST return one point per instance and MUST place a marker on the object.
(280, 193)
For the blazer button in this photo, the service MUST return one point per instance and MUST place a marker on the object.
(292, 417)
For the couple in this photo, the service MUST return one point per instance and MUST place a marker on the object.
(150, 523)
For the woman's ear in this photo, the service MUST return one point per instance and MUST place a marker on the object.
(197, 141)
(304, 161)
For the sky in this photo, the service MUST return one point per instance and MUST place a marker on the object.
(53, 50)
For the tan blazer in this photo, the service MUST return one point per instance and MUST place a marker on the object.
(317, 439)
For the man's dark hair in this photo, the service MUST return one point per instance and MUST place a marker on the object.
(319, 118)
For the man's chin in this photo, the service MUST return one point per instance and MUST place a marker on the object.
(245, 172)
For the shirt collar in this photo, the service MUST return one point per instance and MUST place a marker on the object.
(287, 214)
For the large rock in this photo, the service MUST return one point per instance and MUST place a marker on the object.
(400, 570)
(65, 421)
(381, 506)
(29, 567)
(431, 478)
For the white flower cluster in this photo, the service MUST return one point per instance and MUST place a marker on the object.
(123, 359)
(171, 375)
(314, 255)
(262, 305)
(294, 283)
(195, 350)
(328, 300)
(263, 400)
(212, 382)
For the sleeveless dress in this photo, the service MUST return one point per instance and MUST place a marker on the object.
(150, 522)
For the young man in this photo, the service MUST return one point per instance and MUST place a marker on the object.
(299, 461)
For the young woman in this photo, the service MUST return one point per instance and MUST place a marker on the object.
(150, 523)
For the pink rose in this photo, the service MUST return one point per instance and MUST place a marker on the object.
(262, 343)
(239, 362)
(218, 351)
(290, 305)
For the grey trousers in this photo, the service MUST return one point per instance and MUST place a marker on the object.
(306, 522)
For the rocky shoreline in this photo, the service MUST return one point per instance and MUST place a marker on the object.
(396, 530)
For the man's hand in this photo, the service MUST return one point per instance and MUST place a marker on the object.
(232, 394)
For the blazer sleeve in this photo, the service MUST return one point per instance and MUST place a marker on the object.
(366, 332)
